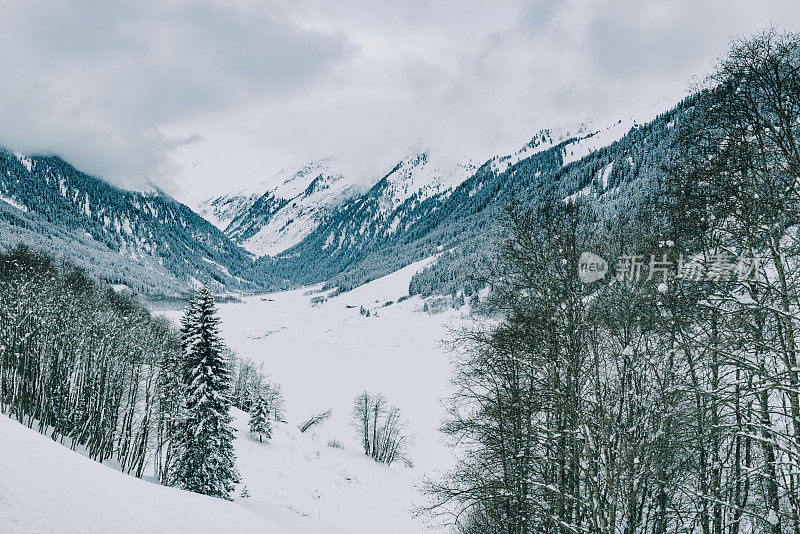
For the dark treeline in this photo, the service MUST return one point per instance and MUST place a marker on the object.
(93, 369)
(83, 364)
(662, 403)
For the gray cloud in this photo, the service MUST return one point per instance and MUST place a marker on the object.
(664, 38)
(99, 81)
(205, 97)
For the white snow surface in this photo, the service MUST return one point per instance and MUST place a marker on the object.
(542, 141)
(297, 218)
(324, 356)
(292, 223)
(596, 140)
(10, 201)
(419, 173)
(46, 488)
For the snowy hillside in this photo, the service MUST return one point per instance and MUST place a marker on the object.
(280, 212)
(147, 240)
(323, 356)
(419, 176)
(297, 485)
(45, 487)
(581, 140)
(543, 140)
(596, 139)
(423, 206)
(299, 481)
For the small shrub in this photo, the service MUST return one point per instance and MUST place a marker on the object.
(314, 420)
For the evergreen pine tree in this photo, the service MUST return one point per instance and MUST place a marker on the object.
(205, 461)
(247, 401)
(259, 420)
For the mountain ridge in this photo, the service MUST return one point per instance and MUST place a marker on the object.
(313, 223)
(150, 230)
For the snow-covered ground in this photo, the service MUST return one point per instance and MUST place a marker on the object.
(324, 356)
(307, 486)
(46, 488)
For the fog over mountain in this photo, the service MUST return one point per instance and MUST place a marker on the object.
(205, 98)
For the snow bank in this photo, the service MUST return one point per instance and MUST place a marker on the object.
(45, 487)
(315, 488)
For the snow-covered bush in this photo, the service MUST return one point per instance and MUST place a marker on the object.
(315, 420)
(381, 429)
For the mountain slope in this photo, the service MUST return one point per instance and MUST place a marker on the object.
(45, 487)
(304, 339)
(157, 244)
(618, 168)
(283, 210)
(315, 224)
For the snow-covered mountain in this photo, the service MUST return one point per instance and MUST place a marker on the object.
(415, 178)
(284, 210)
(422, 205)
(146, 240)
(281, 211)
(391, 206)
(313, 223)
(577, 140)
(415, 191)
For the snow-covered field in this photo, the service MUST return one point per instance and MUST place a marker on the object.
(324, 356)
(46, 488)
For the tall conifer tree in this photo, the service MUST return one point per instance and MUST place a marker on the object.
(205, 461)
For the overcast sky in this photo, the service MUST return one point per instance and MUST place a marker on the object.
(206, 97)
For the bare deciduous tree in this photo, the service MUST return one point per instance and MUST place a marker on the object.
(381, 429)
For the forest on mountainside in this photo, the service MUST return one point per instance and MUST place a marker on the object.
(663, 397)
(93, 369)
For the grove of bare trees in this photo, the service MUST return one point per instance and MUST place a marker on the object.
(649, 401)
(381, 429)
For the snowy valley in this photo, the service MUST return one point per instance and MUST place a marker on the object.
(303, 267)
(354, 328)
(323, 355)
(324, 343)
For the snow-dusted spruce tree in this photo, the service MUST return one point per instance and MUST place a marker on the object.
(260, 424)
(205, 461)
